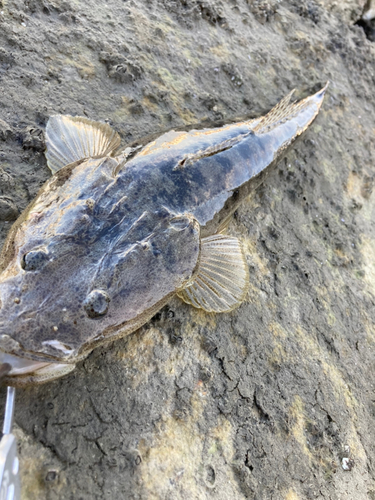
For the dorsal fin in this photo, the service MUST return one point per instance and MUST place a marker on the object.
(190, 158)
(73, 138)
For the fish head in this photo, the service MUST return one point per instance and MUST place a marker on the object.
(75, 274)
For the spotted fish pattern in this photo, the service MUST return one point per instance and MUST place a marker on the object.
(114, 234)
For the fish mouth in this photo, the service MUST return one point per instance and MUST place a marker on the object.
(17, 371)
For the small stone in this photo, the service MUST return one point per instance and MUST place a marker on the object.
(136, 108)
(6, 181)
(32, 138)
(51, 475)
(8, 210)
(347, 463)
(5, 130)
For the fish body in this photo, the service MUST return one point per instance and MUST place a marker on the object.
(111, 238)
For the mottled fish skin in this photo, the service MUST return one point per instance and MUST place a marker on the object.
(108, 241)
(204, 185)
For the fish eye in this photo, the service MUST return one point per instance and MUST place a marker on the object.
(96, 303)
(34, 260)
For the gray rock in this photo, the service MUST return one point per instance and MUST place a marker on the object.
(255, 404)
(5, 130)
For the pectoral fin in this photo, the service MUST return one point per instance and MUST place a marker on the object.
(73, 138)
(222, 281)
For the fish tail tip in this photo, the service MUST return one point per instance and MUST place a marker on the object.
(318, 98)
(322, 91)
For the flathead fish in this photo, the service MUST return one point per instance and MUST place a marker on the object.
(111, 237)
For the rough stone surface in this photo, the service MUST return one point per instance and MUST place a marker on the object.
(349, 10)
(265, 402)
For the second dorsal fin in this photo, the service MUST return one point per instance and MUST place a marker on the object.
(283, 110)
(73, 138)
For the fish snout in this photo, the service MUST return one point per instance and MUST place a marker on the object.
(17, 371)
(20, 370)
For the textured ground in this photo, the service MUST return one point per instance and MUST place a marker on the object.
(262, 403)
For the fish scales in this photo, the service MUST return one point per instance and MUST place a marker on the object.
(110, 239)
